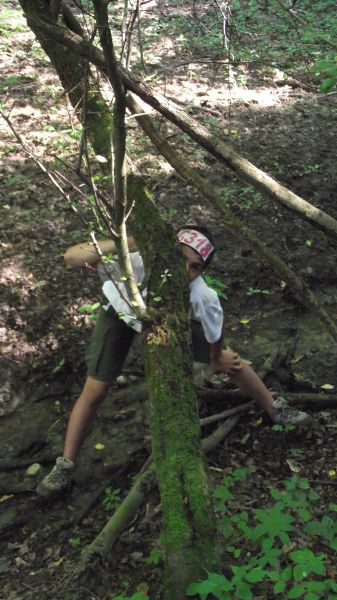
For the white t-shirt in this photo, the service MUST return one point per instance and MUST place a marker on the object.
(206, 307)
(115, 290)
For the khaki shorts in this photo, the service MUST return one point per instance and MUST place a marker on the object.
(112, 339)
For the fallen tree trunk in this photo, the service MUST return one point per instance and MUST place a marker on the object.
(313, 400)
(224, 152)
(205, 138)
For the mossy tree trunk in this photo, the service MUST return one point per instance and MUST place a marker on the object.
(188, 520)
(188, 525)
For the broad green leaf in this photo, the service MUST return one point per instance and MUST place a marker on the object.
(297, 591)
(333, 544)
(327, 85)
(223, 493)
(313, 528)
(89, 308)
(279, 587)
(256, 575)
(286, 573)
(304, 514)
(243, 592)
(317, 586)
(203, 589)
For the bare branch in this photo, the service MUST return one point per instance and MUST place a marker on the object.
(206, 138)
(119, 155)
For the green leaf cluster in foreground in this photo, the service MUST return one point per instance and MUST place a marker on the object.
(282, 540)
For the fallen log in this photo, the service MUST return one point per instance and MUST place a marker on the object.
(316, 401)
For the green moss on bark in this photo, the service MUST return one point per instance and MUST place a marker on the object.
(189, 530)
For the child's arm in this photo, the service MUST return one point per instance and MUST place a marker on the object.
(85, 253)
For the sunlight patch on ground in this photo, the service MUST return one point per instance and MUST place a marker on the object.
(227, 94)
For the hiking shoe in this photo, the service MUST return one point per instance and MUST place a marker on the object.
(286, 415)
(58, 480)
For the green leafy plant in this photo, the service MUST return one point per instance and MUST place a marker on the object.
(266, 569)
(76, 541)
(326, 70)
(90, 310)
(283, 428)
(250, 198)
(307, 169)
(218, 286)
(112, 498)
(155, 297)
(59, 366)
(154, 557)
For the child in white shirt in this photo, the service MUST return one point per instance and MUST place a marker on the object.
(117, 325)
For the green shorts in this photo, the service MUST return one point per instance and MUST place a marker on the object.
(111, 341)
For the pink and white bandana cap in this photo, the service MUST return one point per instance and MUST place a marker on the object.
(196, 240)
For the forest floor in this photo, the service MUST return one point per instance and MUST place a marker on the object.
(286, 129)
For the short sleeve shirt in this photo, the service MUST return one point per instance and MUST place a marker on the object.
(205, 304)
(206, 309)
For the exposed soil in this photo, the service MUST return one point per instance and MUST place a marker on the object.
(289, 132)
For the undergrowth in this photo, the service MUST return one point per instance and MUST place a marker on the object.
(283, 549)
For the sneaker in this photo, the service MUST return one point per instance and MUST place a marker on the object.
(58, 480)
(286, 415)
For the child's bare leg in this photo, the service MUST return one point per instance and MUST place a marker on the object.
(83, 414)
(248, 381)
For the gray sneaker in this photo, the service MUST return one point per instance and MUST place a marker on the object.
(286, 415)
(58, 480)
